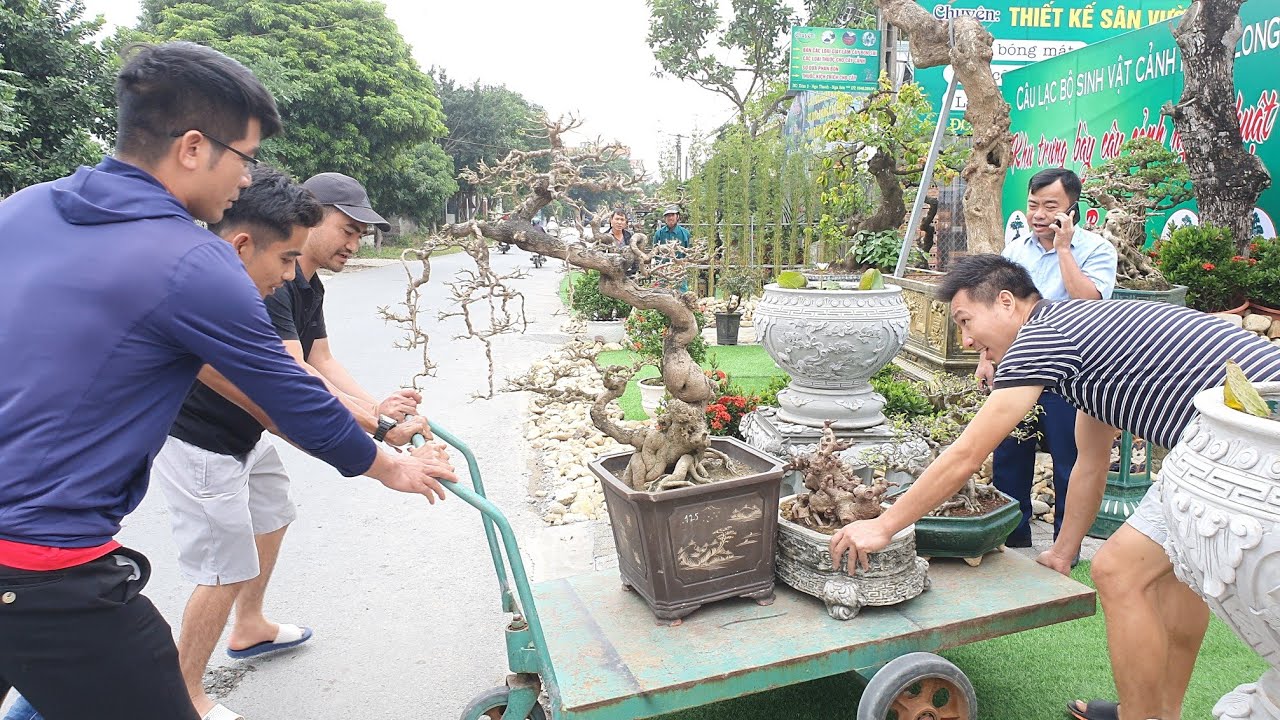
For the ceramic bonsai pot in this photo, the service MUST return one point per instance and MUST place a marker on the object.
(680, 549)
(966, 537)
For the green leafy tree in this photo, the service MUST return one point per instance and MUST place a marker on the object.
(56, 92)
(485, 122)
(841, 13)
(886, 141)
(426, 182)
(352, 97)
(737, 61)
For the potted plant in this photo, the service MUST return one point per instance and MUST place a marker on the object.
(694, 517)
(1144, 178)
(831, 337)
(603, 315)
(738, 284)
(646, 331)
(835, 494)
(1204, 259)
(978, 518)
(868, 182)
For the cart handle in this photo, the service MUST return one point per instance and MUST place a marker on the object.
(473, 468)
(494, 518)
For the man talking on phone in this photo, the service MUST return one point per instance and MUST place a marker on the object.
(1066, 262)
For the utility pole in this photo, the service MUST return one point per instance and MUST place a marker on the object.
(679, 159)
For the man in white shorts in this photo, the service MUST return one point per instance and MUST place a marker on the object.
(1127, 364)
(227, 490)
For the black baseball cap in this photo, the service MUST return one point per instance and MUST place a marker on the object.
(346, 194)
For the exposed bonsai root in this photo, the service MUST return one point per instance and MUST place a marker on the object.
(837, 496)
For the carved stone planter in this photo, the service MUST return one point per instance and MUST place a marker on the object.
(831, 342)
(1221, 496)
(934, 343)
(680, 549)
(896, 573)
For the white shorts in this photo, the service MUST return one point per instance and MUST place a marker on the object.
(1148, 516)
(218, 503)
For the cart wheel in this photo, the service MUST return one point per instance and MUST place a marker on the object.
(918, 686)
(490, 704)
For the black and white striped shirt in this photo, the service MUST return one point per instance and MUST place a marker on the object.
(1133, 364)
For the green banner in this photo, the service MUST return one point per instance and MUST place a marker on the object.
(1026, 33)
(1076, 110)
(837, 59)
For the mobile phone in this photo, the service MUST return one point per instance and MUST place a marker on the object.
(1073, 211)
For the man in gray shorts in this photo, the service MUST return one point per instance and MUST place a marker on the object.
(1127, 364)
(227, 490)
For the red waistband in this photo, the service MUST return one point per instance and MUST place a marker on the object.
(42, 559)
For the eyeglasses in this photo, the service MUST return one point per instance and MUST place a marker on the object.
(249, 160)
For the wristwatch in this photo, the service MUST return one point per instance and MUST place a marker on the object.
(384, 426)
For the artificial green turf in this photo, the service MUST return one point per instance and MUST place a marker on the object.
(1025, 676)
(748, 366)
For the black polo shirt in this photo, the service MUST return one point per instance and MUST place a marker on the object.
(210, 421)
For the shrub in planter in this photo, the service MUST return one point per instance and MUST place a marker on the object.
(1203, 258)
(903, 398)
(646, 330)
(1264, 273)
(592, 304)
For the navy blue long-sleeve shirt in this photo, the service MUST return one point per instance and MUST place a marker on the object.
(110, 301)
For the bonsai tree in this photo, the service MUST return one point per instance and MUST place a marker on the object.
(739, 284)
(1144, 178)
(674, 452)
(835, 494)
(887, 140)
(1228, 177)
(966, 46)
(955, 400)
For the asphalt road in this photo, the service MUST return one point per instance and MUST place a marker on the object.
(401, 594)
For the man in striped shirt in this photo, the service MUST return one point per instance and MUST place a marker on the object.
(1126, 364)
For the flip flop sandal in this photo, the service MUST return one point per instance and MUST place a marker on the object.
(288, 637)
(1094, 710)
(220, 712)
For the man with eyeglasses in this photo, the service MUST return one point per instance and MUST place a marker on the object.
(113, 300)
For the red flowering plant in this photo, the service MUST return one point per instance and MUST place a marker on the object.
(724, 416)
(1204, 259)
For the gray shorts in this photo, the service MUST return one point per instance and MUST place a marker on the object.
(1148, 516)
(218, 503)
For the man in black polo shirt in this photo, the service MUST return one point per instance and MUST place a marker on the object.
(1127, 364)
(226, 487)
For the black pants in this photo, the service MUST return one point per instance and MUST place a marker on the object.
(84, 643)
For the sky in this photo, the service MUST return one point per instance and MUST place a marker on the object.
(585, 57)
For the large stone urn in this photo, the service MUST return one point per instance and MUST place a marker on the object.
(831, 342)
(1220, 490)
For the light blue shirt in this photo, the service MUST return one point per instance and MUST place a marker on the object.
(1095, 256)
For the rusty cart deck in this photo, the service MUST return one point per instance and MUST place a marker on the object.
(596, 651)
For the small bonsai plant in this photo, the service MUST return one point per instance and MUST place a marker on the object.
(590, 303)
(739, 284)
(1144, 178)
(955, 400)
(836, 494)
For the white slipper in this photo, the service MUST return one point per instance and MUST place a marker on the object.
(220, 712)
(289, 636)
